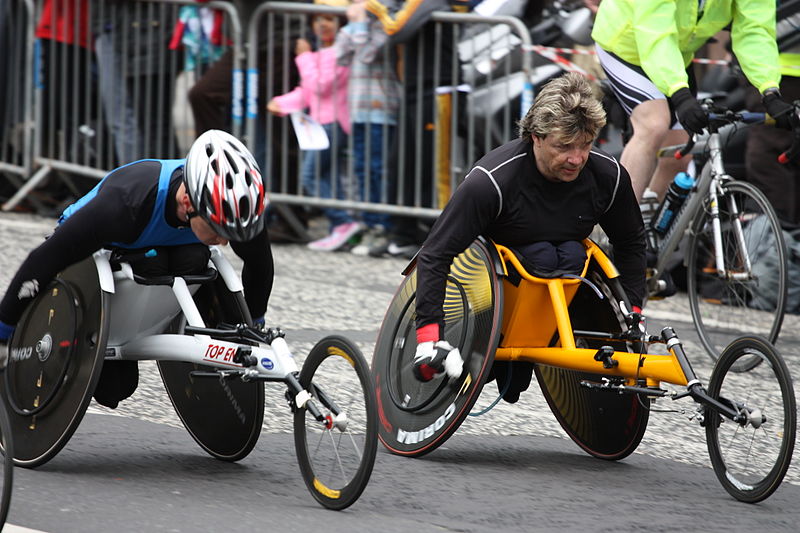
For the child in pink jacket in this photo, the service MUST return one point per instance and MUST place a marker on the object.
(323, 91)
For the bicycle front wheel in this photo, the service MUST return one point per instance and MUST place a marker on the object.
(336, 455)
(749, 294)
(751, 456)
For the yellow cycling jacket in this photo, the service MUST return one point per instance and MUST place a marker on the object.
(662, 36)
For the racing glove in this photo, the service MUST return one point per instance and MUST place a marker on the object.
(435, 357)
(778, 109)
(690, 113)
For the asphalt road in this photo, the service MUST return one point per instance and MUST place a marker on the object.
(136, 469)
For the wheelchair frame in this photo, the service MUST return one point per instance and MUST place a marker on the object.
(128, 314)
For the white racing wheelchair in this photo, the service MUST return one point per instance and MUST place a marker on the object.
(99, 309)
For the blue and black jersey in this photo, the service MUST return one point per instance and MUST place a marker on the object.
(133, 207)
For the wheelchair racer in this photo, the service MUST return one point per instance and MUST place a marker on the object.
(178, 207)
(539, 195)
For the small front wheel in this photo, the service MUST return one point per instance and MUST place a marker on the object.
(336, 454)
(751, 456)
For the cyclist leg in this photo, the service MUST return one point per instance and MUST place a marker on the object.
(650, 117)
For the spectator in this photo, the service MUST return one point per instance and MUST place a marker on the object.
(374, 98)
(646, 49)
(137, 76)
(412, 173)
(211, 97)
(63, 28)
(323, 91)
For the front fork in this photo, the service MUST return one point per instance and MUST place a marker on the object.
(300, 398)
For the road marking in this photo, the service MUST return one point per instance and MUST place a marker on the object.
(11, 528)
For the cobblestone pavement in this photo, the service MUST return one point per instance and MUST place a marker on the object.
(317, 294)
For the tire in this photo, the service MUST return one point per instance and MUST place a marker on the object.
(223, 417)
(416, 417)
(721, 307)
(749, 461)
(336, 463)
(603, 424)
(7, 462)
(57, 354)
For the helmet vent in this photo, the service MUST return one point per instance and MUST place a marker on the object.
(226, 210)
(232, 162)
(244, 209)
(215, 166)
(229, 180)
(209, 149)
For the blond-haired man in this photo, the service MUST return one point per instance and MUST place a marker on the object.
(540, 195)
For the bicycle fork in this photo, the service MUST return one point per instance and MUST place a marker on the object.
(714, 193)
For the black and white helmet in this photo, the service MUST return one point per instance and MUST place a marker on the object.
(226, 186)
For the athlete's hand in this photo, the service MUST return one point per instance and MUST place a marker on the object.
(432, 359)
(778, 109)
(689, 112)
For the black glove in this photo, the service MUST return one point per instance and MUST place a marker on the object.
(778, 109)
(690, 114)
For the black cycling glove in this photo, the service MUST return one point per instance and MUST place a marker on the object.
(778, 109)
(690, 114)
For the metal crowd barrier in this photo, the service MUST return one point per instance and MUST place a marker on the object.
(16, 89)
(105, 94)
(478, 74)
(105, 91)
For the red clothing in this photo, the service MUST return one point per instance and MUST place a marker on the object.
(61, 14)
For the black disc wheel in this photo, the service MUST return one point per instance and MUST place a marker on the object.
(418, 417)
(751, 455)
(605, 425)
(224, 416)
(6, 463)
(749, 291)
(55, 359)
(336, 454)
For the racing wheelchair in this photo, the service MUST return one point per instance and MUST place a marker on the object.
(100, 310)
(590, 363)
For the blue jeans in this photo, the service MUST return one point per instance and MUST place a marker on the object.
(371, 157)
(323, 174)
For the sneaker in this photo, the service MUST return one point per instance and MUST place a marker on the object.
(394, 249)
(338, 237)
(373, 238)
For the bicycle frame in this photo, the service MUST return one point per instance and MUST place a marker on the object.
(708, 188)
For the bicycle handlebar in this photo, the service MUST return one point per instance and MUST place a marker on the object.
(726, 116)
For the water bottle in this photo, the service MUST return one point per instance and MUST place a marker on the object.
(676, 194)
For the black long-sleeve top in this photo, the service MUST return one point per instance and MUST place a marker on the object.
(505, 198)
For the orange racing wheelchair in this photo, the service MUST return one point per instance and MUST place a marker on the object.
(591, 366)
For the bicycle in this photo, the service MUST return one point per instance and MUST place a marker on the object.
(736, 256)
(579, 336)
(100, 310)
